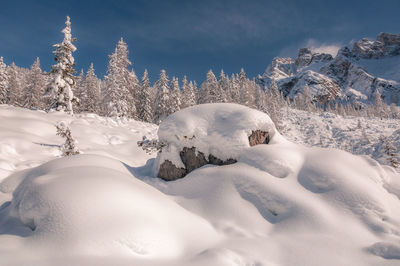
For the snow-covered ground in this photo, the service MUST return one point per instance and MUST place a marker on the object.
(280, 204)
(357, 135)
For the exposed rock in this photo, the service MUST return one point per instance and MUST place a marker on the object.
(317, 57)
(386, 44)
(258, 137)
(168, 171)
(304, 57)
(216, 161)
(192, 159)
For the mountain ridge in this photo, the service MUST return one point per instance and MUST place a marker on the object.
(356, 74)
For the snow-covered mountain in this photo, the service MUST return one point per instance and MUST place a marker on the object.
(281, 203)
(354, 74)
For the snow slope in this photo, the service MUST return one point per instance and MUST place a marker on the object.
(357, 135)
(27, 138)
(281, 204)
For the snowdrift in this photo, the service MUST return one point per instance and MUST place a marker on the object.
(88, 205)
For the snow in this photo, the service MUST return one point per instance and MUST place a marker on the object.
(386, 68)
(280, 204)
(357, 135)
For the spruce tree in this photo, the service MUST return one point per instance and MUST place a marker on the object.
(145, 99)
(3, 82)
(14, 91)
(80, 91)
(175, 96)
(92, 92)
(209, 91)
(189, 95)
(62, 72)
(162, 106)
(118, 100)
(234, 89)
(134, 90)
(246, 90)
(224, 87)
(34, 91)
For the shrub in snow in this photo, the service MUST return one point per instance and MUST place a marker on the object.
(389, 151)
(209, 133)
(150, 145)
(70, 146)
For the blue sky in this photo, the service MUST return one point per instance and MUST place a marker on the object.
(188, 37)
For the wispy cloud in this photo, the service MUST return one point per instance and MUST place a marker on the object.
(326, 48)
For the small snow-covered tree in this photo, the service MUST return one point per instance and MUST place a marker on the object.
(70, 146)
(175, 96)
(3, 82)
(189, 95)
(390, 151)
(380, 109)
(62, 72)
(162, 106)
(34, 91)
(145, 99)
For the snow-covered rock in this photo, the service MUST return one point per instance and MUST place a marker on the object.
(209, 133)
(321, 87)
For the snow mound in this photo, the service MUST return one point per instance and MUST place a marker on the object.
(221, 129)
(281, 202)
(88, 205)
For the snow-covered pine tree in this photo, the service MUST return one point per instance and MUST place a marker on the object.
(196, 91)
(259, 97)
(34, 91)
(273, 104)
(91, 86)
(118, 100)
(245, 90)
(145, 99)
(189, 95)
(134, 90)
(224, 87)
(162, 106)
(234, 89)
(175, 95)
(209, 90)
(80, 91)
(70, 147)
(62, 72)
(14, 96)
(3, 82)
(380, 108)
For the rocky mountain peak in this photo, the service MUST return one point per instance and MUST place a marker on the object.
(306, 56)
(385, 45)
